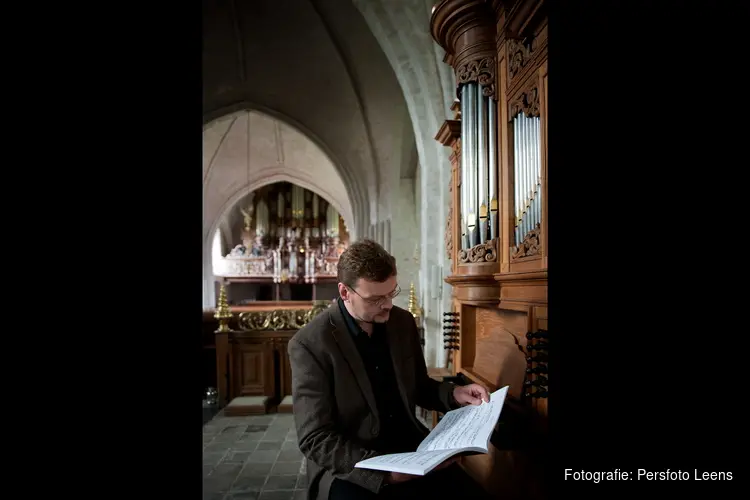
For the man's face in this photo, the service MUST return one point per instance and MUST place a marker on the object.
(370, 301)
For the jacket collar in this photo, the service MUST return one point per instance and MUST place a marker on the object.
(341, 332)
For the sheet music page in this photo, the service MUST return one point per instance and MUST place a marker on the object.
(413, 462)
(469, 426)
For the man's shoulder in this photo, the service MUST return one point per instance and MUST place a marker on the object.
(400, 314)
(316, 330)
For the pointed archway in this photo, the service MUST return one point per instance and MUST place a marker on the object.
(247, 149)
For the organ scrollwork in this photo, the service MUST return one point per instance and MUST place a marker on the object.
(484, 252)
(520, 53)
(481, 71)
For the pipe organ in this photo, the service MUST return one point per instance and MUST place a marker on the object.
(478, 216)
(292, 244)
(527, 171)
(497, 221)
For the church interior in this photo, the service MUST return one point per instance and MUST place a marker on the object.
(420, 124)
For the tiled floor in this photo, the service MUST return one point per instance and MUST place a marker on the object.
(252, 458)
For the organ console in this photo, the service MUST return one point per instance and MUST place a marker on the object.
(496, 231)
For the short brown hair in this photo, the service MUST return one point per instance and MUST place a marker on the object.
(365, 259)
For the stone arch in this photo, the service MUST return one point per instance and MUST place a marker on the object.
(356, 186)
(428, 86)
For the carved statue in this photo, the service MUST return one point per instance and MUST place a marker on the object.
(247, 213)
(248, 216)
(257, 250)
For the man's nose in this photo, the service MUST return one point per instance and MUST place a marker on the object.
(387, 304)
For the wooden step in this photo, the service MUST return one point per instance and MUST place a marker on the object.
(247, 405)
(286, 405)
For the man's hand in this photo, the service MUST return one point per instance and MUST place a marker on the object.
(398, 477)
(472, 394)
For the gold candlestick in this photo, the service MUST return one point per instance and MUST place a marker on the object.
(223, 313)
(413, 307)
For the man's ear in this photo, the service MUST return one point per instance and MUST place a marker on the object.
(343, 291)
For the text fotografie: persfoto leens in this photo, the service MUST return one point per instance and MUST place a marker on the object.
(646, 475)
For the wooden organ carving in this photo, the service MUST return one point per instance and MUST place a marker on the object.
(497, 227)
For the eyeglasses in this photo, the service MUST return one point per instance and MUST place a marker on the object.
(378, 301)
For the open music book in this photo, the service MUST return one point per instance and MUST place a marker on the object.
(466, 429)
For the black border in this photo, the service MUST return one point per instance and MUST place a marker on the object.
(638, 103)
(640, 376)
(109, 346)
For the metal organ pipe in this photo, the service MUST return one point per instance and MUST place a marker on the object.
(527, 174)
(464, 169)
(538, 171)
(526, 179)
(479, 186)
(492, 154)
(471, 164)
(482, 167)
(517, 177)
(534, 171)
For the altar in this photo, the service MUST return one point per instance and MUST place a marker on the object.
(289, 250)
(280, 275)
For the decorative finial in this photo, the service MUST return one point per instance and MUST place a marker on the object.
(414, 308)
(223, 313)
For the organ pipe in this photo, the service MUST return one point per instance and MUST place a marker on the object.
(332, 220)
(471, 164)
(261, 220)
(464, 168)
(482, 173)
(527, 169)
(492, 154)
(479, 204)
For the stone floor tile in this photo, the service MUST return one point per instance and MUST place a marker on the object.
(248, 483)
(256, 468)
(276, 495)
(290, 456)
(213, 457)
(269, 445)
(236, 457)
(243, 495)
(280, 482)
(301, 481)
(286, 468)
(263, 456)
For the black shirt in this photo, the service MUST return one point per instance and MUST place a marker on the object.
(397, 432)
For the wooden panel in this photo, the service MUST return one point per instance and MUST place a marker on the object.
(498, 358)
(285, 368)
(502, 473)
(222, 370)
(254, 365)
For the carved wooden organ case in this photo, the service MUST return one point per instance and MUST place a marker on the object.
(497, 223)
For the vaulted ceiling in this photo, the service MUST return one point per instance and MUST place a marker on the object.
(316, 70)
(248, 149)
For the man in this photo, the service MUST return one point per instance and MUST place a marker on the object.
(357, 373)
